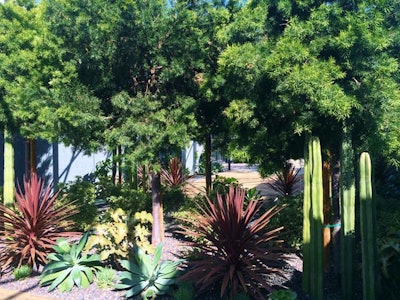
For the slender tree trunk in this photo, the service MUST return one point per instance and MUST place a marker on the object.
(119, 164)
(32, 156)
(157, 234)
(114, 166)
(9, 173)
(207, 151)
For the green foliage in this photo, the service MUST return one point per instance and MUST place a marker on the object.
(319, 66)
(117, 230)
(241, 296)
(239, 155)
(22, 272)
(184, 291)
(69, 266)
(389, 261)
(105, 277)
(221, 185)
(216, 167)
(283, 295)
(387, 180)
(174, 198)
(33, 226)
(146, 276)
(290, 218)
(388, 219)
(83, 194)
(233, 246)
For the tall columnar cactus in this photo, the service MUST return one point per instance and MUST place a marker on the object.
(368, 240)
(9, 174)
(347, 193)
(313, 220)
(306, 217)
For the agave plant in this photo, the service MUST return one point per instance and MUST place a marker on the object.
(147, 277)
(29, 231)
(69, 266)
(233, 246)
(286, 182)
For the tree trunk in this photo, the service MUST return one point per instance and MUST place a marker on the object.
(157, 234)
(207, 150)
(114, 167)
(119, 164)
(9, 173)
(32, 156)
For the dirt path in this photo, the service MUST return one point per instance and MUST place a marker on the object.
(247, 176)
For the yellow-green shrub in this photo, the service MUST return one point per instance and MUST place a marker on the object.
(118, 231)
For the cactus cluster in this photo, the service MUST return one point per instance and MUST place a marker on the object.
(313, 221)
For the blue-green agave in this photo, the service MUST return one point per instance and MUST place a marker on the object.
(69, 266)
(146, 276)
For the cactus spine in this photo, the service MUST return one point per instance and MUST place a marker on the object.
(347, 193)
(368, 241)
(313, 220)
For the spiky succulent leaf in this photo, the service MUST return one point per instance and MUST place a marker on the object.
(145, 276)
(33, 228)
(237, 247)
(71, 268)
(62, 246)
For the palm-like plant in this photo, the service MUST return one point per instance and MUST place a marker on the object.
(174, 176)
(286, 182)
(233, 246)
(29, 231)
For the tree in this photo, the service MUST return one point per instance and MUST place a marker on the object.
(131, 56)
(310, 67)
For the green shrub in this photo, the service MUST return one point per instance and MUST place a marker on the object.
(123, 196)
(22, 272)
(389, 256)
(283, 295)
(83, 193)
(105, 277)
(184, 291)
(291, 219)
(221, 185)
(173, 198)
(118, 231)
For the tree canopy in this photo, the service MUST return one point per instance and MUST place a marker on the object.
(313, 66)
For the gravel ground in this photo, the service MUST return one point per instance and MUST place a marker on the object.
(171, 246)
